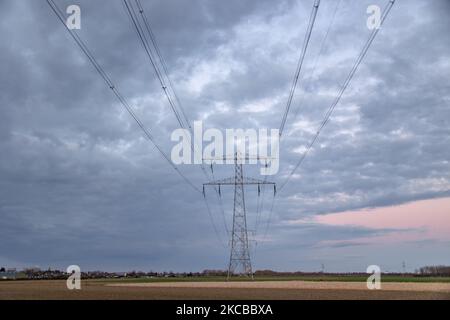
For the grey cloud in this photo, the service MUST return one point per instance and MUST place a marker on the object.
(79, 183)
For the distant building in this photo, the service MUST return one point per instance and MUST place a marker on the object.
(8, 275)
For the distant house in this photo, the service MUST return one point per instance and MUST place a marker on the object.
(8, 275)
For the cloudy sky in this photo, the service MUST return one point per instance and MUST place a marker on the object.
(79, 183)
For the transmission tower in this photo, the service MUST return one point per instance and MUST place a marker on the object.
(240, 262)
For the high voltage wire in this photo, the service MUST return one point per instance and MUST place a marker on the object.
(220, 204)
(322, 47)
(162, 60)
(321, 50)
(213, 224)
(269, 219)
(147, 48)
(116, 92)
(342, 90)
(260, 206)
(335, 102)
(294, 85)
(168, 86)
(312, 20)
(124, 102)
(177, 108)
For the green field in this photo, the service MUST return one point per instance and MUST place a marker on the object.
(328, 278)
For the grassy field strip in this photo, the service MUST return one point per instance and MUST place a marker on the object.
(384, 278)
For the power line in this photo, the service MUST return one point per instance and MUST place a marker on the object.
(341, 92)
(312, 20)
(171, 88)
(322, 47)
(213, 224)
(306, 41)
(219, 198)
(321, 50)
(116, 92)
(147, 48)
(123, 101)
(269, 219)
(167, 86)
(260, 206)
(162, 61)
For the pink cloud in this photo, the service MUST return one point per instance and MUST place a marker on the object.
(421, 220)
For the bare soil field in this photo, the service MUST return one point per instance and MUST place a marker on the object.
(273, 290)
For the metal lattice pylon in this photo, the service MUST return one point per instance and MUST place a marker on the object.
(240, 262)
(240, 253)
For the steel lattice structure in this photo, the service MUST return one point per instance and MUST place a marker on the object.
(240, 262)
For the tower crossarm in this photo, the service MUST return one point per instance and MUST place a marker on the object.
(238, 158)
(232, 181)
